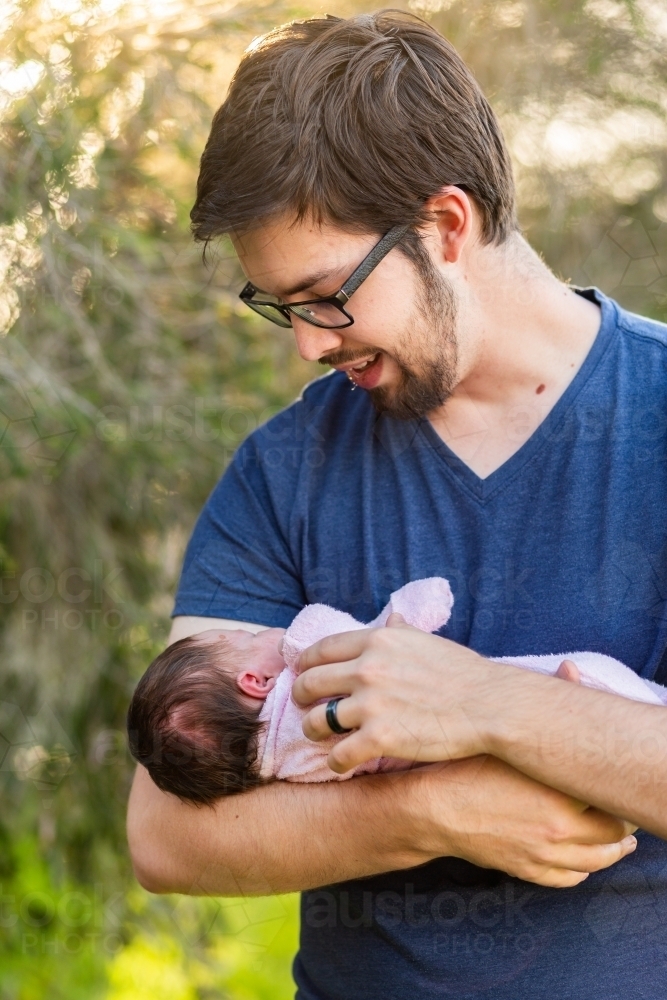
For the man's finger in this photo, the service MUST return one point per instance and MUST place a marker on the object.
(396, 620)
(557, 878)
(597, 827)
(333, 648)
(594, 857)
(569, 671)
(315, 726)
(323, 682)
(354, 750)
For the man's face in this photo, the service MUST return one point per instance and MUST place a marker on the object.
(402, 345)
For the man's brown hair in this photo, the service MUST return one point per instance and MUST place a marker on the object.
(356, 122)
(189, 727)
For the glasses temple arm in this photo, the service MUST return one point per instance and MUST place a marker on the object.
(380, 250)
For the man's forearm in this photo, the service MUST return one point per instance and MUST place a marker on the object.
(600, 748)
(422, 697)
(280, 838)
(287, 837)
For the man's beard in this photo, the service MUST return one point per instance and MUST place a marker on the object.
(426, 357)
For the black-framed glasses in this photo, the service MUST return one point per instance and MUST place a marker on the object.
(329, 311)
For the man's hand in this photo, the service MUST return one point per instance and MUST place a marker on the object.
(409, 694)
(423, 698)
(496, 817)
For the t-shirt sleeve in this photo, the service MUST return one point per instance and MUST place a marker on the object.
(239, 563)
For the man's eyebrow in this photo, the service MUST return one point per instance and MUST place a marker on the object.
(310, 280)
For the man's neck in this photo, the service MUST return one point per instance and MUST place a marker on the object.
(523, 337)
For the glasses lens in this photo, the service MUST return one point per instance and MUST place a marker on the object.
(268, 311)
(323, 314)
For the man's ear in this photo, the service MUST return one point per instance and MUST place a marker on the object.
(255, 685)
(454, 214)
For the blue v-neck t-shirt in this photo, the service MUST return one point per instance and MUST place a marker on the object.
(564, 547)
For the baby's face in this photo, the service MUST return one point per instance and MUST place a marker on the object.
(259, 657)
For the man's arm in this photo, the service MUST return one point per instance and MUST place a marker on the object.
(286, 837)
(605, 749)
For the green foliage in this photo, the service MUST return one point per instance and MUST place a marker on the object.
(129, 373)
(580, 89)
(128, 376)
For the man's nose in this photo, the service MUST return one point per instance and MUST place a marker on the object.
(314, 341)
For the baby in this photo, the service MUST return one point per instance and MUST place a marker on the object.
(213, 715)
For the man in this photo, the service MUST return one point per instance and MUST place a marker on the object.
(487, 424)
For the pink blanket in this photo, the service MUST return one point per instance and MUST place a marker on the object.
(284, 751)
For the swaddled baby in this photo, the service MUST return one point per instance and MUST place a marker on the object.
(213, 715)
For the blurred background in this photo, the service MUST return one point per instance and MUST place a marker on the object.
(129, 372)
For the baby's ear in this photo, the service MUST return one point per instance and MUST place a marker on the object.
(254, 685)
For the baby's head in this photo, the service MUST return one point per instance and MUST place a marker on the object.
(193, 721)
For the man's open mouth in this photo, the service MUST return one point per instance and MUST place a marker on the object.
(367, 373)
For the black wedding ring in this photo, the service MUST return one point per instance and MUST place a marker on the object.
(332, 719)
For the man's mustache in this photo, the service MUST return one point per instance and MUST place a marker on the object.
(344, 357)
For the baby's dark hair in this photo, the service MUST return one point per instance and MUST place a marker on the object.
(189, 726)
